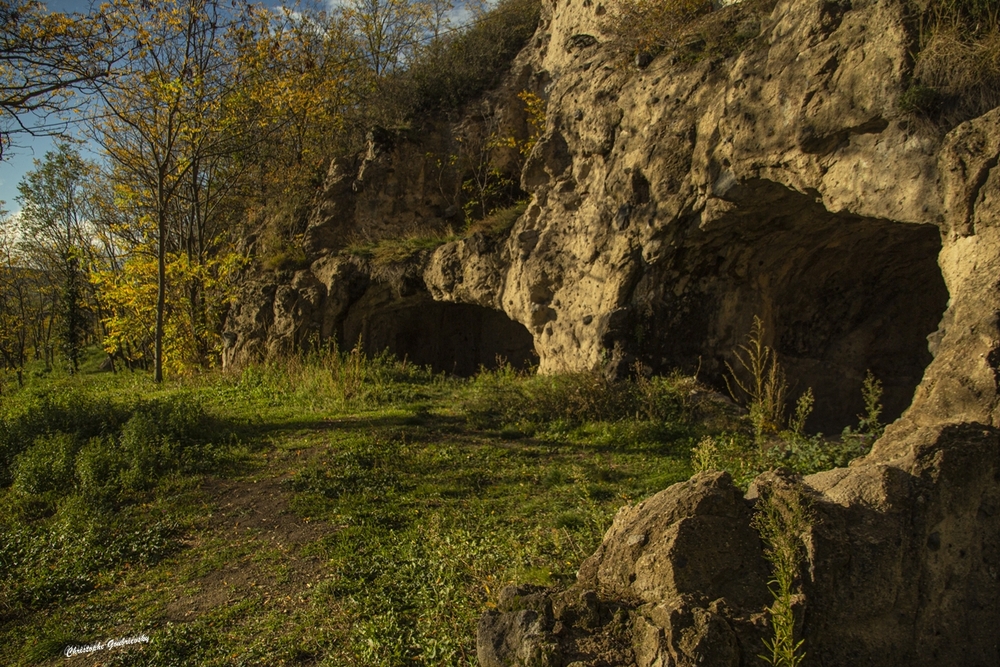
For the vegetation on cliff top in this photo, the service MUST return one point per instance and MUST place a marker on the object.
(957, 60)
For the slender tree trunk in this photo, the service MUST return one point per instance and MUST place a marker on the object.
(161, 284)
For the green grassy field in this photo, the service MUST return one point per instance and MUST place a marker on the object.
(332, 510)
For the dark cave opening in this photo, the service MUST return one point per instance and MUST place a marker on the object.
(865, 304)
(454, 338)
(838, 295)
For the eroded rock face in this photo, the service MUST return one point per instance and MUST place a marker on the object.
(670, 205)
(673, 203)
(678, 580)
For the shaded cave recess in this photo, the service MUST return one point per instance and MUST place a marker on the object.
(454, 338)
(838, 295)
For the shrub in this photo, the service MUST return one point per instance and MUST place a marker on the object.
(920, 98)
(803, 408)
(99, 465)
(871, 393)
(47, 466)
(168, 435)
(110, 453)
(651, 26)
(957, 70)
(287, 258)
(457, 68)
(33, 415)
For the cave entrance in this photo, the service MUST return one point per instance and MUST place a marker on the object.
(860, 304)
(454, 338)
(838, 295)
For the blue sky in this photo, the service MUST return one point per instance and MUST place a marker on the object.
(26, 148)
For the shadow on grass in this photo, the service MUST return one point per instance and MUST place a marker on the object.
(653, 438)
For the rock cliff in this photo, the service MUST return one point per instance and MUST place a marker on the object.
(670, 203)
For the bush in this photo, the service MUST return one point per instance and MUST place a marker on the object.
(83, 464)
(957, 71)
(110, 453)
(47, 465)
(163, 437)
(744, 457)
(286, 259)
(458, 68)
(99, 465)
(34, 415)
(652, 26)
(920, 98)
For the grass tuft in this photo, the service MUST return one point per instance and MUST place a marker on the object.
(957, 70)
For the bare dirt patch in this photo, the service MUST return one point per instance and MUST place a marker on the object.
(252, 517)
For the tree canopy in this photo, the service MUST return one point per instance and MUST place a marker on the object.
(49, 63)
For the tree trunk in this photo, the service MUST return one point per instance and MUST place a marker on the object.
(161, 284)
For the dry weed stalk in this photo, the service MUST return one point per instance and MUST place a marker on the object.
(765, 389)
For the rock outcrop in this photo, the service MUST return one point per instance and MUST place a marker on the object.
(670, 204)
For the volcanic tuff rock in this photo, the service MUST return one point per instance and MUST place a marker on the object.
(669, 205)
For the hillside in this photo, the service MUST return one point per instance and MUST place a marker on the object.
(785, 162)
(645, 333)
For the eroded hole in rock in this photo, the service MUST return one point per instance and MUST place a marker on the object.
(838, 295)
(449, 337)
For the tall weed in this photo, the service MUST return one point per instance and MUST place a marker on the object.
(745, 456)
(758, 382)
(782, 517)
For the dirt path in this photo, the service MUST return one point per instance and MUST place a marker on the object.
(252, 516)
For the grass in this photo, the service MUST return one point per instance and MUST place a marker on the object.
(498, 222)
(331, 510)
(386, 252)
(956, 74)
